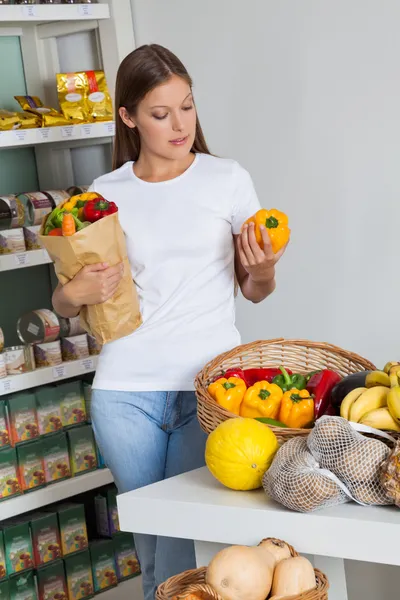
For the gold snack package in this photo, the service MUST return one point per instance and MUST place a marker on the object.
(72, 96)
(29, 120)
(49, 116)
(9, 120)
(98, 97)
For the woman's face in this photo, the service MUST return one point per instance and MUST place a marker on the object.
(166, 120)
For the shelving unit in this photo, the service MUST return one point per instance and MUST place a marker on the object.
(38, 13)
(46, 375)
(54, 493)
(21, 260)
(132, 588)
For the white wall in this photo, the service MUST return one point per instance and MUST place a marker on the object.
(306, 95)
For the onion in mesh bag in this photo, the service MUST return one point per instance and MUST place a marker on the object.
(295, 480)
(352, 457)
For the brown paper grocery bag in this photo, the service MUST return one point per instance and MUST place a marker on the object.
(102, 241)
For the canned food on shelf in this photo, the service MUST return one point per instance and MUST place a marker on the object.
(19, 359)
(12, 213)
(38, 326)
(57, 196)
(70, 327)
(37, 205)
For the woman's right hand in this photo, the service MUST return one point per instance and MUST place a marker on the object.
(94, 284)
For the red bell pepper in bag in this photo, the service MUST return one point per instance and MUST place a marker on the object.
(320, 386)
(98, 208)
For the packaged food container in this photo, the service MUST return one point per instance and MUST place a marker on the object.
(56, 458)
(19, 551)
(73, 409)
(4, 430)
(72, 523)
(51, 580)
(37, 205)
(22, 585)
(75, 348)
(82, 450)
(12, 241)
(125, 556)
(3, 572)
(31, 235)
(94, 346)
(38, 326)
(31, 466)
(48, 354)
(79, 576)
(46, 539)
(21, 410)
(57, 196)
(70, 327)
(19, 359)
(48, 407)
(1, 340)
(12, 214)
(9, 482)
(3, 370)
(104, 570)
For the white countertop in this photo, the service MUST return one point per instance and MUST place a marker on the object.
(196, 506)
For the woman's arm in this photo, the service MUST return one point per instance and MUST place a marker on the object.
(255, 267)
(63, 303)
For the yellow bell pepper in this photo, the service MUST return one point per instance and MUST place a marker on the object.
(276, 223)
(70, 204)
(297, 409)
(228, 393)
(262, 399)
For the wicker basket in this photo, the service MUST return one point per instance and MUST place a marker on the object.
(301, 356)
(195, 581)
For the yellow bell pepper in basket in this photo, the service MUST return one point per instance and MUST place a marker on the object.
(297, 409)
(262, 399)
(228, 393)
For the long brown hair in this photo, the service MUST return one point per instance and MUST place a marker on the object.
(140, 72)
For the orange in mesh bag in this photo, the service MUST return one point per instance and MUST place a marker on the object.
(296, 480)
(352, 457)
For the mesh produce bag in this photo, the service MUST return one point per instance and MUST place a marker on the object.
(355, 459)
(390, 474)
(296, 480)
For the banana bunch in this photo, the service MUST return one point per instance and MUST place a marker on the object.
(378, 403)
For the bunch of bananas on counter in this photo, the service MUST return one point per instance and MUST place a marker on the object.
(378, 403)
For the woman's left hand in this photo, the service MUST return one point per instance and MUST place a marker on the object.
(258, 262)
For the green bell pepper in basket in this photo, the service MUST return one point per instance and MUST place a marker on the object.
(287, 382)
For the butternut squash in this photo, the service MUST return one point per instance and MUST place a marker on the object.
(241, 573)
(278, 549)
(293, 576)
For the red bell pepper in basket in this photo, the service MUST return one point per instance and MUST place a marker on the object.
(97, 209)
(251, 376)
(320, 386)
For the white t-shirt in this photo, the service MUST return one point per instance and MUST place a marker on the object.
(181, 251)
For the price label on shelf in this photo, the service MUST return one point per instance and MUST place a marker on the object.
(21, 134)
(85, 10)
(6, 385)
(69, 131)
(29, 11)
(59, 372)
(86, 130)
(22, 259)
(109, 128)
(87, 364)
(44, 134)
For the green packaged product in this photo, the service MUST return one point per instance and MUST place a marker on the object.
(22, 587)
(31, 466)
(73, 410)
(22, 417)
(82, 450)
(56, 458)
(72, 524)
(51, 582)
(107, 520)
(18, 546)
(46, 540)
(103, 565)
(79, 576)
(48, 406)
(3, 570)
(9, 478)
(4, 590)
(125, 556)
(4, 432)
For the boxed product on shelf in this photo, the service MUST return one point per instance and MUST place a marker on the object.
(72, 524)
(106, 509)
(125, 556)
(18, 546)
(23, 587)
(4, 590)
(46, 540)
(100, 460)
(31, 235)
(3, 570)
(31, 466)
(103, 565)
(82, 450)
(48, 354)
(75, 347)
(51, 582)
(56, 458)
(22, 417)
(3, 369)
(94, 346)
(87, 394)
(12, 241)
(48, 407)
(4, 429)
(73, 410)
(79, 576)
(9, 477)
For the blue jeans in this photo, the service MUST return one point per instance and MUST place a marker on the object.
(145, 437)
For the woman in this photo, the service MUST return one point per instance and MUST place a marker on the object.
(182, 211)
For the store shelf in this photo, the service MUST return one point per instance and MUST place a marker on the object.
(54, 493)
(130, 589)
(25, 381)
(38, 13)
(54, 135)
(20, 260)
